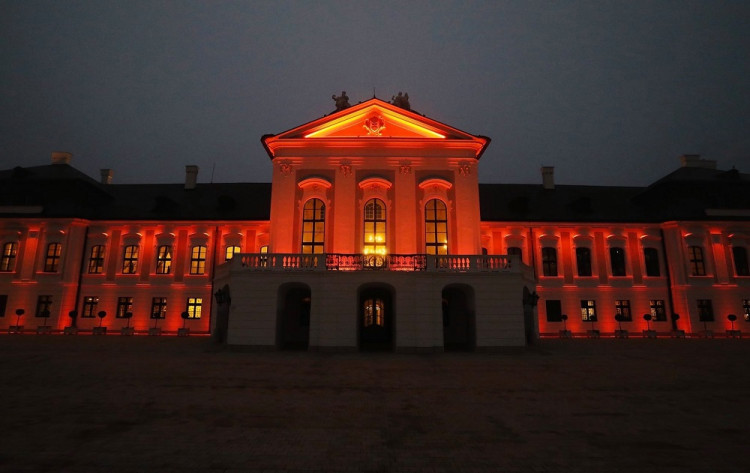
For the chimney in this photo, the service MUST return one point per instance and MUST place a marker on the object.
(59, 157)
(695, 161)
(191, 176)
(106, 176)
(548, 177)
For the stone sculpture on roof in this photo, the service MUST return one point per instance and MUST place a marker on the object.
(342, 101)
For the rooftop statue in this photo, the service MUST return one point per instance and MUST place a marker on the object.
(401, 100)
(342, 101)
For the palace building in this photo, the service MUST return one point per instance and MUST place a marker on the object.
(375, 234)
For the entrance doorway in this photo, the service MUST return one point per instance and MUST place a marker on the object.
(458, 318)
(293, 323)
(375, 318)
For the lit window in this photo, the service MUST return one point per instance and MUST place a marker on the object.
(588, 310)
(515, 251)
(96, 259)
(651, 258)
(89, 307)
(264, 259)
(746, 309)
(436, 227)
(52, 260)
(198, 260)
(194, 305)
(697, 265)
(124, 305)
(549, 261)
(130, 259)
(374, 234)
(617, 259)
(705, 310)
(43, 304)
(658, 313)
(622, 307)
(164, 259)
(374, 313)
(158, 307)
(231, 251)
(583, 261)
(740, 261)
(554, 310)
(8, 261)
(313, 226)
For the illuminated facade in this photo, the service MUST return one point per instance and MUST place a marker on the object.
(375, 233)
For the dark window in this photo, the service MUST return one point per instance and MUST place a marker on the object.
(96, 259)
(740, 261)
(658, 312)
(746, 309)
(231, 251)
(313, 227)
(515, 251)
(588, 310)
(617, 259)
(436, 227)
(124, 305)
(651, 257)
(3, 304)
(697, 264)
(705, 310)
(43, 304)
(89, 307)
(194, 305)
(198, 260)
(554, 311)
(164, 259)
(374, 312)
(158, 307)
(583, 261)
(52, 260)
(622, 307)
(8, 261)
(549, 261)
(130, 259)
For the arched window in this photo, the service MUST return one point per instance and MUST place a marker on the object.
(436, 228)
(313, 226)
(374, 234)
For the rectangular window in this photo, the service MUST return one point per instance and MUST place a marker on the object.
(194, 305)
(96, 259)
(588, 310)
(124, 305)
(658, 312)
(515, 251)
(130, 259)
(583, 261)
(617, 259)
(52, 260)
(198, 260)
(697, 264)
(164, 259)
(89, 307)
(705, 310)
(43, 306)
(746, 309)
(549, 261)
(622, 307)
(651, 258)
(8, 260)
(3, 304)
(231, 251)
(740, 261)
(158, 307)
(554, 311)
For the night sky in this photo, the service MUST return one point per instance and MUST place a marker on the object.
(609, 93)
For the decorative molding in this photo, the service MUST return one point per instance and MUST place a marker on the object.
(404, 167)
(374, 125)
(285, 167)
(464, 168)
(345, 166)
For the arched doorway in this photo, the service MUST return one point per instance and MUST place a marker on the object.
(293, 321)
(376, 318)
(458, 318)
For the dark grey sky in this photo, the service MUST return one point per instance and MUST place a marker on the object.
(607, 92)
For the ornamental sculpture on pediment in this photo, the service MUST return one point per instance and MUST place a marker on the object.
(342, 101)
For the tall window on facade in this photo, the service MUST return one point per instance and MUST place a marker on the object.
(658, 312)
(8, 259)
(313, 226)
(746, 309)
(374, 312)
(52, 260)
(588, 310)
(231, 251)
(96, 259)
(198, 260)
(374, 228)
(705, 310)
(554, 310)
(130, 259)
(436, 228)
(3, 304)
(651, 258)
(43, 304)
(697, 264)
(164, 259)
(89, 307)
(158, 307)
(549, 261)
(124, 305)
(617, 260)
(740, 261)
(515, 251)
(194, 305)
(622, 307)
(583, 261)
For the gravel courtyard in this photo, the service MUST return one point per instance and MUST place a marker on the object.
(134, 404)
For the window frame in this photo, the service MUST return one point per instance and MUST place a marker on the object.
(697, 260)
(43, 303)
(233, 249)
(556, 314)
(88, 307)
(194, 307)
(158, 308)
(130, 255)
(124, 305)
(96, 259)
(52, 257)
(432, 220)
(198, 261)
(742, 269)
(375, 227)
(583, 255)
(588, 310)
(313, 242)
(622, 307)
(618, 261)
(549, 261)
(163, 259)
(8, 257)
(705, 310)
(658, 310)
(651, 262)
